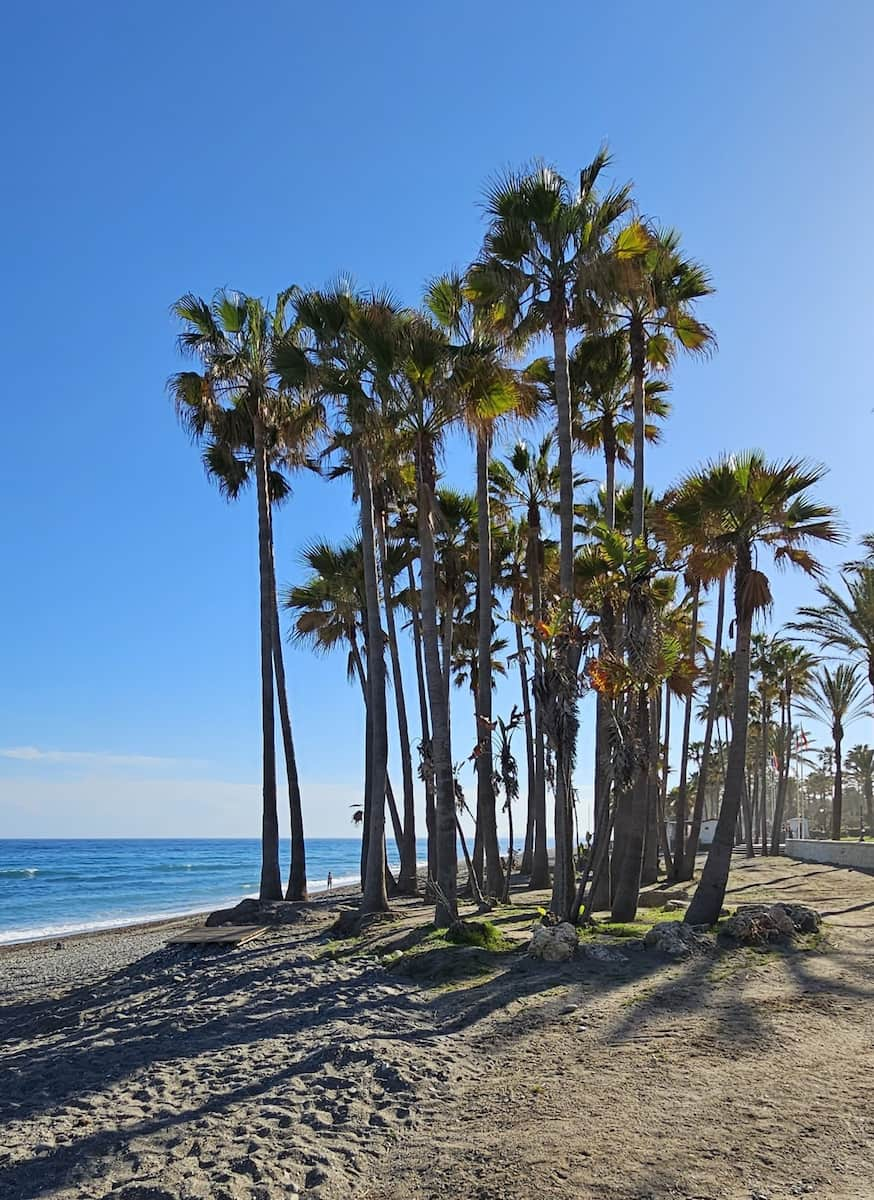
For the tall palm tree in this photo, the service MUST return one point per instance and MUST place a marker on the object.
(860, 762)
(388, 551)
(543, 247)
(428, 407)
(237, 408)
(510, 558)
(746, 503)
(527, 482)
(834, 695)
(344, 352)
(488, 390)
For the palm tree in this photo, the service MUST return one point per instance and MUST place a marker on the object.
(653, 289)
(237, 408)
(746, 503)
(397, 551)
(704, 761)
(844, 620)
(602, 406)
(834, 695)
(510, 557)
(860, 762)
(793, 667)
(543, 248)
(344, 352)
(488, 389)
(428, 406)
(527, 481)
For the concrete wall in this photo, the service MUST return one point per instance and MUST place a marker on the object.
(841, 854)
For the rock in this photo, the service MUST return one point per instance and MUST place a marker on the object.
(676, 906)
(677, 940)
(257, 912)
(660, 897)
(756, 924)
(553, 944)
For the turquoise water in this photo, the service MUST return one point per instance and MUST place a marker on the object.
(54, 887)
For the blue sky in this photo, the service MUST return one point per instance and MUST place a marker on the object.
(151, 150)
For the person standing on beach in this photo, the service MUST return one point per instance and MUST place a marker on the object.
(330, 881)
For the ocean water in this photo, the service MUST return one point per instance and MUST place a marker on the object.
(49, 888)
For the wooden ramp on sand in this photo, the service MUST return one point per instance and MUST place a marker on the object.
(221, 935)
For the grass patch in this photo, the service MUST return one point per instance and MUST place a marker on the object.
(484, 934)
(638, 928)
(449, 958)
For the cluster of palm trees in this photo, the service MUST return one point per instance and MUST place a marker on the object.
(352, 383)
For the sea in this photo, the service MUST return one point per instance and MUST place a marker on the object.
(56, 887)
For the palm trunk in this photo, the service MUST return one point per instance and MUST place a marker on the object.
(271, 880)
(609, 440)
(508, 878)
(564, 883)
(485, 793)
(748, 818)
(764, 754)
(780, 809)
(528, 851)
(628, 872)
(297, 873)
(600, 889)
(407, 845)
(447, 864)
(650, 869)
(565, 456)
(701, 790)
(540, 860)
(603, 787)
(472, 880)
(637, 344)
(838, 798)
(680, 859)
(563, 879)
(427, 758)
(663, 794)
(374, 898)
(630, 844)
(447, 653)
(707, 901)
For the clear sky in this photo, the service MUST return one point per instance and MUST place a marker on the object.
(148, 150)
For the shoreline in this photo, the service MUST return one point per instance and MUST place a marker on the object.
(346, 886)
(129, 927)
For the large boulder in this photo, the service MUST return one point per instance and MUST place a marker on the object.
(757, 924)
(258, 912)
(677, 940)
(556, 943)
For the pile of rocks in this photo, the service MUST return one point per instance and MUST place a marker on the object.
(677, 940)
(755, 924)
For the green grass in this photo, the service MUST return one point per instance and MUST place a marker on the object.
(484, 934)
(638, 928)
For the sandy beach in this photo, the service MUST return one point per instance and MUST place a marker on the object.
(392, 1067)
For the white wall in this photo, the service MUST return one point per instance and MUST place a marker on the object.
(841, 854)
